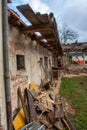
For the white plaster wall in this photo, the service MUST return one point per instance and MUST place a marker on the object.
(22, 44)
(2, 90)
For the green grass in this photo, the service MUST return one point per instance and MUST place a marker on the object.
(75, 91)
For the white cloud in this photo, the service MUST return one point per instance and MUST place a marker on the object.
(74, 14)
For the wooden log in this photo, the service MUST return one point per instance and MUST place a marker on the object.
(23, 104)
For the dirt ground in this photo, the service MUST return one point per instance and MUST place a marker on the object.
(73, 75)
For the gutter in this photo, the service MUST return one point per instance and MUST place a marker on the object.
(6, 64)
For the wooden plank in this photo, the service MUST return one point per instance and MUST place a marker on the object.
(47, 37)
(40, 96)
(23, 104)
(32, 112)
(29, 14)
(68, 123)
(58, 125)
(51, 116)
(44, 120)
(43, 18)
(38, 28)
(59, 112)
(14, 18)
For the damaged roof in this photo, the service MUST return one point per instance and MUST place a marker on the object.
(14, 19)
(43, 24)
(75, 47)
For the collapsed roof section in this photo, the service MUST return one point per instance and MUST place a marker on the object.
(43, 28)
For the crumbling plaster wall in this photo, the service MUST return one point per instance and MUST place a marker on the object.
(20, 43)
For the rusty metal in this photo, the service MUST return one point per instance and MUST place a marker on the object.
(33, 126)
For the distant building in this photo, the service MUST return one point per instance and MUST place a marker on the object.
(77, 51)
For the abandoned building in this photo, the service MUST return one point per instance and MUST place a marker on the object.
(77, 52)
(34, 54)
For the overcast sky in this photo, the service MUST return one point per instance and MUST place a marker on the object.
(71, 12)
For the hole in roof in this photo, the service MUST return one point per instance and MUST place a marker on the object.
(38, 33)
(44, 40)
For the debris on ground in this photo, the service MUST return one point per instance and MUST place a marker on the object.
(42, 110)
(75, 69)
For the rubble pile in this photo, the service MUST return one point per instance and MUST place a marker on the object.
(75, 69)
(42, 110)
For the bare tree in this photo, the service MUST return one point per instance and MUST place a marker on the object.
(67, 34)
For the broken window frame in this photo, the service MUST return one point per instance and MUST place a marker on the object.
(20, 60)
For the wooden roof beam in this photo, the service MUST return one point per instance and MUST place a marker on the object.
(8, 1)
(29, 14)
(37, 28)
(48, 38)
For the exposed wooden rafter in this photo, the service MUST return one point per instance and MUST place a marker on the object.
(37, 28)
(43, 23)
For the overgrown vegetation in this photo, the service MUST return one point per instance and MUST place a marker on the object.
(75, 91)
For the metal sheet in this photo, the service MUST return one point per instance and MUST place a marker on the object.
(34, 126)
